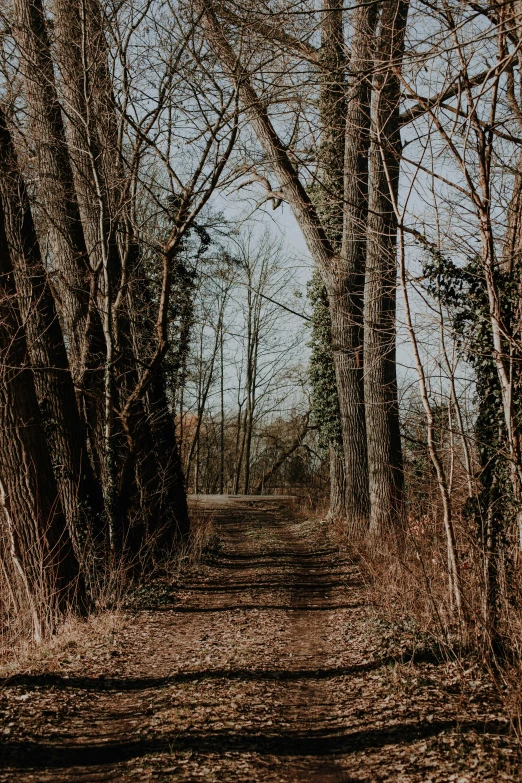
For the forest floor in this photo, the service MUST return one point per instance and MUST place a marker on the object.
(267, 663)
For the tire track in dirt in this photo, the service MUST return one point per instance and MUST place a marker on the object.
(265, 666)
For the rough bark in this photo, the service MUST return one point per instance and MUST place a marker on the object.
(80, 491)
(332, 121)
(512, 247)
(380, 378)
(337, 509)
(254, 317)
(329, 199)
(343, 164)
(347, 295)
(86, 87)
(81, 57)
(55, 179)
(167, 452)
(148, 476)
(41, 547)
(72, 278)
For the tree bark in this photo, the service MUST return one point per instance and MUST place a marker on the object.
(55, 178)
(104, 203)
(86, 86)
(333, 108)
(72, 275)
(80, 492)
(254, 304)
(176, 518)
(380, 377)
(41, 548)
(347, 293)
(337, 508)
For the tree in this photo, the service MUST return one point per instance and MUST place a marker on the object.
(380, 369)
(57, 195)
(324, 398)
(80, 492)
(116, 225)
(343, 269)
(102, 185)
(41, 550)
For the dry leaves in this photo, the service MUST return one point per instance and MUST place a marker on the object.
(268, 666)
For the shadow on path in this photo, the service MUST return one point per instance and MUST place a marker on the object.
(34, 756)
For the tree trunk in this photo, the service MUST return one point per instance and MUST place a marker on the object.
(82, 56)
(344, 121)
(240, 450)
(80, 492)
(221, 416)
(41, 548)
(72, 276)
(168, 456)
(347, 293)
(337, 508)
(100, 181)
(380, 376)
(349, 375)
(254, 315)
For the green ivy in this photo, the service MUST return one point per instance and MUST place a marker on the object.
(325, 403)
(462, 289)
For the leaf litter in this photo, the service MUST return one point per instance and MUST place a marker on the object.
(267, 663)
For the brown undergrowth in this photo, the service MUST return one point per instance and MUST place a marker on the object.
(407, 585)
(121, 585)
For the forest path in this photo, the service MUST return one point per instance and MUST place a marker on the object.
(267, 665)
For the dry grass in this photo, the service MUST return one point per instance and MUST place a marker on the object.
(114, 589)
(408, 587)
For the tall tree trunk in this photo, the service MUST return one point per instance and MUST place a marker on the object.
(344, 146)
(176, 517)
(93, 134)
(254, 305)
(86, 86)
(380, 376)
(104, 202)
(240, 449)
(80, 492)
(41, 548)
(221, 415)
(347, 294)
(72, 277)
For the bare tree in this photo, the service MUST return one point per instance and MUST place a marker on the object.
(380, 372)
(72, 277)
(80, 491)
(41, 550)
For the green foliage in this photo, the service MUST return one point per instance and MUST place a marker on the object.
(463, 290)
(181, 305)
(325, 403)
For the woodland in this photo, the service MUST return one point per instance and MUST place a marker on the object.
(261, 303)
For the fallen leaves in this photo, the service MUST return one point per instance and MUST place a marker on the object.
(267, 664)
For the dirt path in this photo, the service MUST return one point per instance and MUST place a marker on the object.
(266, 666)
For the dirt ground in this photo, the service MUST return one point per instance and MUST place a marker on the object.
(267, 664)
